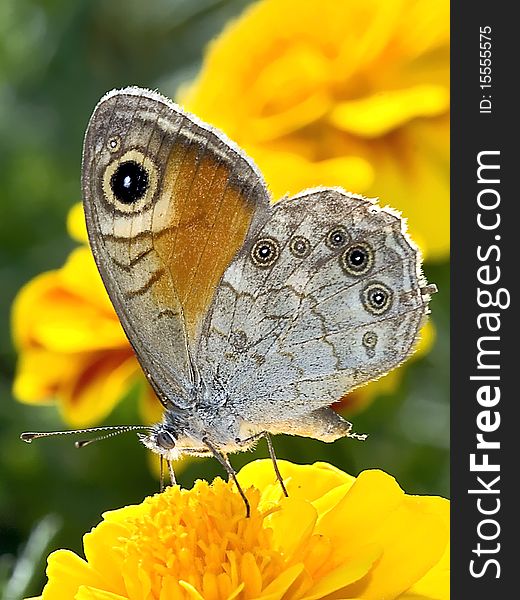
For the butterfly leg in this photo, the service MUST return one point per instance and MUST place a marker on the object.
(275, 463)
(224, 461)
(229, 478)
(170, 470)
(161, 467)
(266, 435)
(172, 473)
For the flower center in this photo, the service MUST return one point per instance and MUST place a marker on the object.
(200, 540)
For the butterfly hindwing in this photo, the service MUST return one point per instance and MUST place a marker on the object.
(325, 296)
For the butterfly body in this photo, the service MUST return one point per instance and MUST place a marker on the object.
(246, 316)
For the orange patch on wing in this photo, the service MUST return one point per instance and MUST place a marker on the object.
(208, 221)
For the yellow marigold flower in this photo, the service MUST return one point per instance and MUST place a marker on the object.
(336, 536)
(352, 93)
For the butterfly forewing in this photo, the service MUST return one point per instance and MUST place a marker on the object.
(168, 202)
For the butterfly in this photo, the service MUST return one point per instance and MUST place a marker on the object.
(248, 317)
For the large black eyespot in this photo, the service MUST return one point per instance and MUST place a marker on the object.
(377, 298)
(299, 246)
(129, 182)
(357, 259)
(165, 439)
(265, 252)
(337, 238)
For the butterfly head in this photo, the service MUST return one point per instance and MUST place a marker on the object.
(162, 440)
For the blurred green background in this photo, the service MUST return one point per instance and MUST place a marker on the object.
(57, 58)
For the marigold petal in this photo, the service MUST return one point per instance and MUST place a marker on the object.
(99, 552)
(290, 173)
(76, 225)
(88, 385)
(418, 183)
(192, 592)
(23, 308)
(397, 523)
(90, 593)
(67, 310)
(371, 498)
(307, 482)
(67, 325)
(120, 515)
(376, 24)
(279, 586)
(171, 589)
(403, 539)
(67, 572)
(251, 576)
(224, 585)
(104, 380)
(292, 525)
(344, 574)
(435, 585)
(236, 593)
(136, 578)
(80, 276)
(288, 94)
(376, 115)
(40, 375)
(330, 499)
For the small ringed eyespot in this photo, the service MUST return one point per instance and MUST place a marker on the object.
(370, 339)
(337, 238)
(165, 439)
(299, 246)
(377, 298)
(265, 252)
(357, 259)
(114, 143)
(129, 182)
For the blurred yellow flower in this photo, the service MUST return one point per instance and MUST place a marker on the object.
(336, 536)
(352, 93)
(71, 346)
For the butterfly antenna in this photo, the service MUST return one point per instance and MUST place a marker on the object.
(83, 443)
(29, 436)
